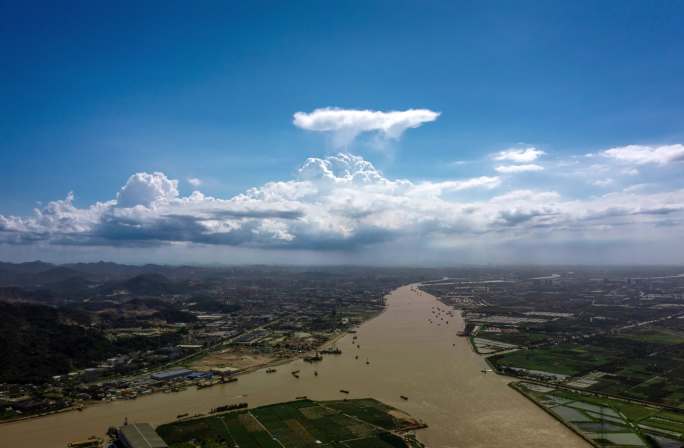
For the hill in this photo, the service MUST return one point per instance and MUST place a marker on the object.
(37, 342)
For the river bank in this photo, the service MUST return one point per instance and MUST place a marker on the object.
(398, 352)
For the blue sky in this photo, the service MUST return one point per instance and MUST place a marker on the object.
(93, 93)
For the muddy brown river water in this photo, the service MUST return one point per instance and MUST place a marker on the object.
(407, 355)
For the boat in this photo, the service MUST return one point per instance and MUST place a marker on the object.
(182, 415)
(271, 370)
(204, 384)
(227, 407)
(344, 391)
(302, 397)
(331, 351)
(403, 397)
(93, 442)
(315, 372)
(231, 379)
(312, 359)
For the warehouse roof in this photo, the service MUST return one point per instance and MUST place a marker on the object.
(140, 435)
(171, 373)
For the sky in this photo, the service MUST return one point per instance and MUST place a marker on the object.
(343, 132)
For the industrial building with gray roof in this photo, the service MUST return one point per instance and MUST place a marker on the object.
(140, 435)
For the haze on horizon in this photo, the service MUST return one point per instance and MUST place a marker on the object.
(375, 134)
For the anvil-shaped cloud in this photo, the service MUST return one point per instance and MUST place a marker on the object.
(347, 124)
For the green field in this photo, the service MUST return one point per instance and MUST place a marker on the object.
(656, 335)
(567, 359)
(609, 422)
(644, 364)
(364, 423)
(521, 338)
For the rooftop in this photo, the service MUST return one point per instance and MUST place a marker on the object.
(140, 435)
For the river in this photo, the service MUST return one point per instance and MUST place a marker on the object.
(407, 355)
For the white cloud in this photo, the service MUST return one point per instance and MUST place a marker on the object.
(522, 155)
(341, 202)
(638, 187)
(194, 181)
(437, 188)
(642, 155)
(487, 182)
(146, 189)
(347, 124)
(603, 182)
(509, 169)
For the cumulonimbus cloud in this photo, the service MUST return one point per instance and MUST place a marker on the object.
(145, 188)
(519, 155)
(336, 202)
(346, 124)
(643, 155)
(512, 169)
